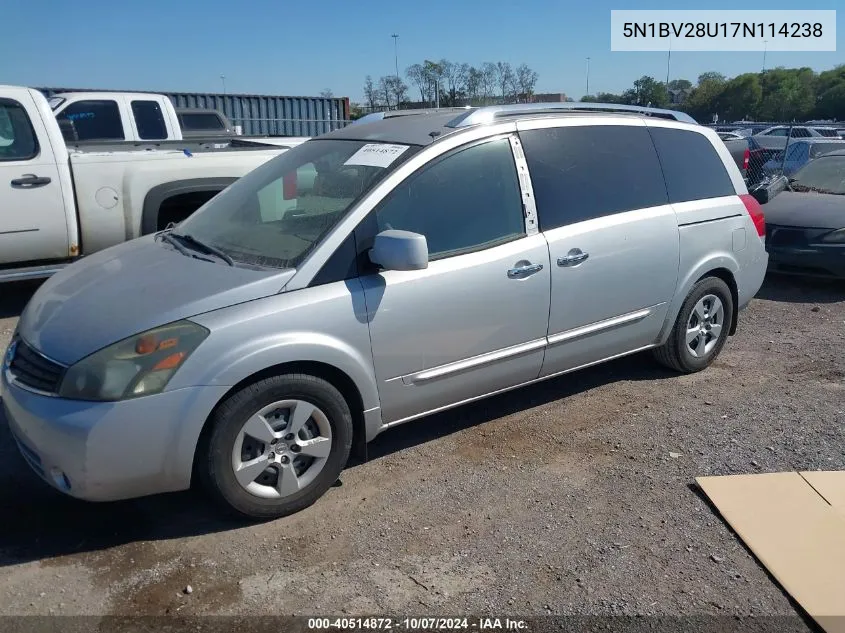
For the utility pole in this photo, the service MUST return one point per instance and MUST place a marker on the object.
(223, 79)
(765, 48)
(396, 53)
(588, 75)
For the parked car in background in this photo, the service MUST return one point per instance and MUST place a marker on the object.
(373, 276)
(730, 136)
(204, 123)
(799, 153)
(805, 231)
(60, 203)
(776, 137)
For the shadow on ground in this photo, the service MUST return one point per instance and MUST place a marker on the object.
(42, 523)
(793, 289)
(14, 296)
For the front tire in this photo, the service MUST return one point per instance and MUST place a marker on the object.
(276, 446)
(701, 329)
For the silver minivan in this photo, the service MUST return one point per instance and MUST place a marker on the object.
(373, 276)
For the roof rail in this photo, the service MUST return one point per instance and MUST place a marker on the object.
(488, 114)
(389, 114)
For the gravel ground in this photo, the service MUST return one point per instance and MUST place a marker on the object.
(574, 496)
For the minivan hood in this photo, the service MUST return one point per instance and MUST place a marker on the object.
(128, 289)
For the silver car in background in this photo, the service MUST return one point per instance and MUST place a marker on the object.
(373, 276)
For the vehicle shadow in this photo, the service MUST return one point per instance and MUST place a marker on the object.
(43, 523)
(15, 295)
(795, 289)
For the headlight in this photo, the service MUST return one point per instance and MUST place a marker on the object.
(137, 366)
(835, 237)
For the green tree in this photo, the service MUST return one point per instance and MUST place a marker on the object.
(788, 94)
(740, 97)
(647, 91)
(680, 84)
(830, 94)
(703, 101)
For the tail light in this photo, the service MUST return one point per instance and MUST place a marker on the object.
(746, 158)
(756, 212)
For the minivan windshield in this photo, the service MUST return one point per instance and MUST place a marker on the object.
(277, 214)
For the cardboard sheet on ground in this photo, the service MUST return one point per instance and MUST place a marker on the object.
(795, 525)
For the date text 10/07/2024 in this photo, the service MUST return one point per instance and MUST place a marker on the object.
(418, 624)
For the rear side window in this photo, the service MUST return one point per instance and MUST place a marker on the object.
(149, 120)
(691, 165)
(585, 172)
(827, 133)
(94, 120)
(800, 132)
(17, 138)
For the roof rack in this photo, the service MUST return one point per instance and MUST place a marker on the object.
(488, 114)
(389, 114)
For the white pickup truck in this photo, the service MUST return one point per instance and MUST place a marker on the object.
(131, 116)
(59, 203)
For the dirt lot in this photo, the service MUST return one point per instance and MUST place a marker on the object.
(560, 498)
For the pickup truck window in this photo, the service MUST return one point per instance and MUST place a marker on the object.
(200, 121)
(278, 213)
(94, 120)
(17, 138)
(149, 119)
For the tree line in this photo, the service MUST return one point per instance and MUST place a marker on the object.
(779, 94)
(449, 83)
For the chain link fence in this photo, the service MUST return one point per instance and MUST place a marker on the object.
(765, 152)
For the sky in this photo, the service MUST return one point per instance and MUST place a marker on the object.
(302, 48)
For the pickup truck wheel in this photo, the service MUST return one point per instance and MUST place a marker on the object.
(277, 445)
(701, 329)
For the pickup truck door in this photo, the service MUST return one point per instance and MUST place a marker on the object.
(33, 223)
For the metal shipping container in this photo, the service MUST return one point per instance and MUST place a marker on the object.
(259, 115)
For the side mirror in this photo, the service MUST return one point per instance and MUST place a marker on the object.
(68, 131)
(768, 190)
(400, 250)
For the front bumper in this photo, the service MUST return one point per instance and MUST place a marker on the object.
(104, 451)
(816, 261)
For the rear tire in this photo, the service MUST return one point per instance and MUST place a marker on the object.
(701, 329)
(276, 446)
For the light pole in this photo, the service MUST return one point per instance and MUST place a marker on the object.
(765, 48)
(588, 75)
(396, 53)
(668, 63)
(223, 79)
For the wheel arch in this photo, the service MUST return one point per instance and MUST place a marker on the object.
(722, 266)
(336, 377)
(159, 194)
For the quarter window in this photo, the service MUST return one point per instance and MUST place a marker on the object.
(691, 165)
(149, 119)
(584, 172)
(94, 120)
(466, 201)
(17, 138)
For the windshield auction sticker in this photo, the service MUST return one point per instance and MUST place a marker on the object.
(787, 30)
(376, 155)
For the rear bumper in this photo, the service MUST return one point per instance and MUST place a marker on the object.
(815, 261)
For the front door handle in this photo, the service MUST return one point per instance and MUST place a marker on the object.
(30, 181)
(523, 269)
(573, 258)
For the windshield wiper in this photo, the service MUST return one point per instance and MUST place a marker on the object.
(206, 247)
(167, 237)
